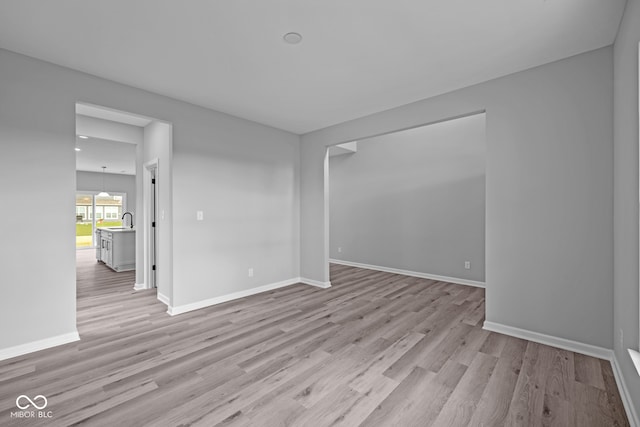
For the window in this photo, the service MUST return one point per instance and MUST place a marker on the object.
(108, 213)
(84, 225)
(81, 213)
(112, 212)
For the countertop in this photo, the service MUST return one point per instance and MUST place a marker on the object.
(117, 229)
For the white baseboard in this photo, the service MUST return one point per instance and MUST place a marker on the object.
(565, 344)
(164, 299)
(629, 408)
(21, 349)
(139, 286)
(316, 283)
(224, 298)
(410, 273)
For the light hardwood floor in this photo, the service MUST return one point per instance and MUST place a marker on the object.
(377, 349)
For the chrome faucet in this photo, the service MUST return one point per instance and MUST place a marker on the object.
(130, 214)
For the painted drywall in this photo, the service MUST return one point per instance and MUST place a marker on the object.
(36, 160)
(214, 154)
(92, 182)
(413, 200)
(247, 190)
(549, 198)
(625, 303)
(141, 274)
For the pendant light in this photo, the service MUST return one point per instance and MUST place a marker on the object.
(103, 193)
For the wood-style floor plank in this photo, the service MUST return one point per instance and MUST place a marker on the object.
(376, 349)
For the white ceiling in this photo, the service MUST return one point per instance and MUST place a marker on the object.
(118, 157)
(357, 57)
(112, 139)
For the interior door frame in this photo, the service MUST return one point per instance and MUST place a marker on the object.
(150, 204)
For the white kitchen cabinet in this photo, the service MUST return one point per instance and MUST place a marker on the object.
(106, 244)
(118, 248)
(98, 244)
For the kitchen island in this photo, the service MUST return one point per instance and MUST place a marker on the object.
(116, 247)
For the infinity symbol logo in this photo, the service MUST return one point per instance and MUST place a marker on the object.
(31, 402)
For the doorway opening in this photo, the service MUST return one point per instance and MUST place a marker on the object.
(133, 202)
(411, 202)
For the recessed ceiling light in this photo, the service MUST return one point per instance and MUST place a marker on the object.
(292, 38)
(77, 149)
(83, 137)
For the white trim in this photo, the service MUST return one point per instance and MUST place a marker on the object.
(326, 255)
(635, 358)
(139, 286)
(164, 299)
(627, 401)
(316, 283)
(30, 347)
(563, 343)
(224, 298)
(150, 168)
(410, 273)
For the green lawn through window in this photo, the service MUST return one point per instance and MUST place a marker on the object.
(84, 229)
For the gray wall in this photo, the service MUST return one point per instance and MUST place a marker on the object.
(216, 158)
(549, 192)
(625, 309)
(37, 263)
(246, 183)
(413, 200)
(158, 147)
(92, 181)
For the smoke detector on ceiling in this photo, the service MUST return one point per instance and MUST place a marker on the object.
(292, 38)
